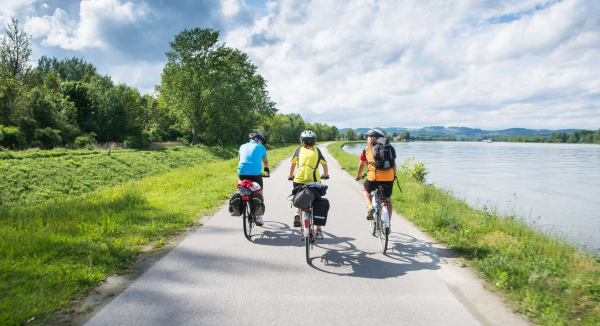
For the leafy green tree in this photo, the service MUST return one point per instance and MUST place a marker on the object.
(11, 91)
(73, 69)
(190, 79)
(351, 134)
(46, 138)
(82, 97)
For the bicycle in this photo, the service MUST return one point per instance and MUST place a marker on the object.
(307, 227)
(248, 217)
(380, 225)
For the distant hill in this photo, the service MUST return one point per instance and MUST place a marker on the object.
(465, 132)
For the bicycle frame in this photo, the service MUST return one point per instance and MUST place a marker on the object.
(379, 226)
(377, 197)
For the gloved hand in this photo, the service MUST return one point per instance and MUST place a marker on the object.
(267, 170)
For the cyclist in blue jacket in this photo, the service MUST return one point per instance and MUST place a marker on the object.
(251, 157)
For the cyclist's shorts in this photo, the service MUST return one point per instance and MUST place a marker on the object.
(372, 185)
(255, 178)
(296, 184)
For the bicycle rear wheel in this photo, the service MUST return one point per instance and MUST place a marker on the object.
(248, 221)
(383, 232)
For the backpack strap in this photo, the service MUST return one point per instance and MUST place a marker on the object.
(397, 182)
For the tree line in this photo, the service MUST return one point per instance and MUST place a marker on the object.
(351, 135)
(576, 137)
(209, 94)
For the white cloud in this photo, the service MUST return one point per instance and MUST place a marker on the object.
(10, 7)
(94, 17)
(138, 74)
(230, 8)
(525, 63)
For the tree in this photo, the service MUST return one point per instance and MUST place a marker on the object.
(10, 95)
(15, 50)
(189, 79)
(351, 134)
(74, 69)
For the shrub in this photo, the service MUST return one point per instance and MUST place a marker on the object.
(417, 171)
(47, 138)
(137, 141)
(155, 134)
(86, 140)
(12, 137)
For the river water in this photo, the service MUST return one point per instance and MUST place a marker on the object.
(555, 186)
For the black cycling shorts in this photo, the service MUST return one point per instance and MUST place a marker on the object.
(255, 178)
(372, 185)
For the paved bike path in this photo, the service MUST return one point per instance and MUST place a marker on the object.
(217, 277)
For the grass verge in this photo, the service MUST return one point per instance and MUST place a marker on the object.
(545, 278)
(34, 177)
(54, 252)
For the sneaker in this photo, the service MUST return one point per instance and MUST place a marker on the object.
(319, 235)
(370, 212)
(259, 221)
(296, 221)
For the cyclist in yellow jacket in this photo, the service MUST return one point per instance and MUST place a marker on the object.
(305, 168)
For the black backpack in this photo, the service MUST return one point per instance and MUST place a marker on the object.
(383, 154)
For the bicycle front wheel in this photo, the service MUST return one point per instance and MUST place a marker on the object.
(383, 232)
(373, 225)
(308, 239)
(248, 221)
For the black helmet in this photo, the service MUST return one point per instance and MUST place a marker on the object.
(375, 133)
(259, 136)
(308, 137)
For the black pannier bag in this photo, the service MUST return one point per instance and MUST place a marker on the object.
(320, 210)
(303, 198)
(258, 204)
(236, 205)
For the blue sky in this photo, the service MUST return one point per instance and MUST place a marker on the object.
(357, 63)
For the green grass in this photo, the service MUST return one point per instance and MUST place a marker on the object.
(56, 251)
(545, 278)
(34, 177)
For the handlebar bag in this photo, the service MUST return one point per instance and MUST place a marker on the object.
(320, 210)
(257, 204)
(303, 198)
(236, 205)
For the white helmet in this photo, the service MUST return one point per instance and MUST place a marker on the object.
(308, 137)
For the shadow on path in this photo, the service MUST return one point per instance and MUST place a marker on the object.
(405, 254)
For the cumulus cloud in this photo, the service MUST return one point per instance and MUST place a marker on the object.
(488, 64)
(230, 7)
(469, 63)
(137, 74)
(59, 30)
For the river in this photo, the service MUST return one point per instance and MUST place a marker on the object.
(555, 186)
